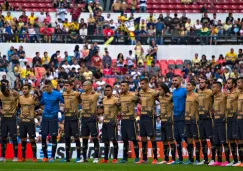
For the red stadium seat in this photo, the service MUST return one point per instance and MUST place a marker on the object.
(29, 60)
(111, 81)
(179, 62)
(163, 61)
(171, 62)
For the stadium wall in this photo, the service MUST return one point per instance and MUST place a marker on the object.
(60, 152)
(164, 52)
(114, 16)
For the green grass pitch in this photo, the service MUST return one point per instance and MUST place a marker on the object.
(130, 166)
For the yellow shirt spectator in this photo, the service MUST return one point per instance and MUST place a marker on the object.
(66, 25)
(8, 18)
(45, 60)
(75, 25)
(24, 73)
(231, 56)
(32, 19)
(205, 29)
(54, 83)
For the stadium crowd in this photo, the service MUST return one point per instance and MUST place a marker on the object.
(39, 28)
(91, 64)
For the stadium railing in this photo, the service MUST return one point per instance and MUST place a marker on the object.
(121, 39)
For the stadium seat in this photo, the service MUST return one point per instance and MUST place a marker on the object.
(111, 81)
(29, 60)
(179, 66)
(172, 66)
(163, 61)
(179, 61)
(187, 61)
(171, 62)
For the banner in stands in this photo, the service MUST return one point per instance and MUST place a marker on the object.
(60, 153)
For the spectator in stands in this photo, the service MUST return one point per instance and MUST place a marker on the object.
(47, 32)
(10, 53)
(54, 58)
(106, 61)
(120, 60)
(229, 18)
(99, 24)
(4, 80)
(4, 63)
(205, 20)
(204, 8)
(24, 17)
(124, 7)
(8, 18)
(230, 58)
(108, 32)
(130, 59)
(8, 32)
(91, 25)
(58, 34)
(214, 21)
(85, 54)
(73, 35)
(96, 60)
(83, 33)
(32, 34)
(41, 16)
(21, 52)
(204, 33)
(143, 6)
(65, 4)
(47, 20)
(133, 6)
(116, 6)
(55, 3)
(214, 35)
(45, 60)
(88, 75)
(37, 62)
(240, 55)
(153, 70)
(228, 28)
(32, 19)
(75, 12)
(151, 34)
(62, 12)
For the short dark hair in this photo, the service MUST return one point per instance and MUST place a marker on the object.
(108, 86)
(48, 82)
(27, 85)
(69, 82)
(193, 83)
(241, 79)
(145, 80)
(125, 82)
(176, 76)
(3, 88)
(218, 83)
(233, 80)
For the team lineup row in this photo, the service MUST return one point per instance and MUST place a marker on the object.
(185, 114)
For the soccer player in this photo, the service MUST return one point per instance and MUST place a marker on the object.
(179, 101)
(27, 104)
(147, 127)
(71, 124)
(109, 128)
(191, 119)
(205, 123)
(50, 104)
(231, 109)
(128, 102)
(219, 131)
(167, 121)
(239, 124)
(89, 120)
(9, 101)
